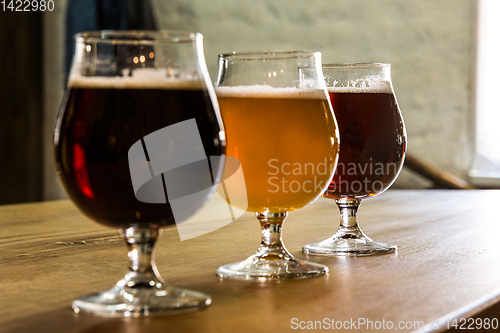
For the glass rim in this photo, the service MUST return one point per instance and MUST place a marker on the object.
(357, 65)
(268, 55)
(136, 37)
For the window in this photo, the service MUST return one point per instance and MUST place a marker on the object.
(486, 171)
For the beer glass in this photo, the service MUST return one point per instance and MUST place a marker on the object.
(372, 151)
(137, 103)
(284, 133)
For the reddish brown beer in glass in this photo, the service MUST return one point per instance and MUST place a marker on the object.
(372, 143)
(372, 150)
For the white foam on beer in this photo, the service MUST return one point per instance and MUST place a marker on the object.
(380, 87)
(148, 78)
(264, 91)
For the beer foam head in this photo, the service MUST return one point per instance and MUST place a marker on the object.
(380, 87)
(149, 78)
(261, 91)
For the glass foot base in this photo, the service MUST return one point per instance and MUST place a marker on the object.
(337, 246)
(137, 302)
(259, 269)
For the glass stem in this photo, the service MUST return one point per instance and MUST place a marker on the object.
(142, 271)
(271, 246)
(349, 218)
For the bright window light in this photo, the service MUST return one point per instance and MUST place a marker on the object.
(486, 170)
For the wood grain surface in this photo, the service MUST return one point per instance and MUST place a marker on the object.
(447, 266)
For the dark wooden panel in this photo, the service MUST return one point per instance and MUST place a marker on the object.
(21, 106)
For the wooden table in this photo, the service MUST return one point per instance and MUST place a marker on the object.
(447, 266)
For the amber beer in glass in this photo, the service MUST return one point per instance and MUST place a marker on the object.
(284, 134)
(372, 150)
(282, 166)
(125, 86)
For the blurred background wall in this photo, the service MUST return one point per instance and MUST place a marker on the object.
(430, 44)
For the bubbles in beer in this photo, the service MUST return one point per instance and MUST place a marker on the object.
(264, 91)
(145, 78)
(366, 86)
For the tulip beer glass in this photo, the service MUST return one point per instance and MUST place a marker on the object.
(139, 112)
(283, 132)
(372, 150)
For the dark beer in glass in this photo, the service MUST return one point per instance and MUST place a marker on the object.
(372, 141)
(128, 93)
(101, 122)
(372, 150)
